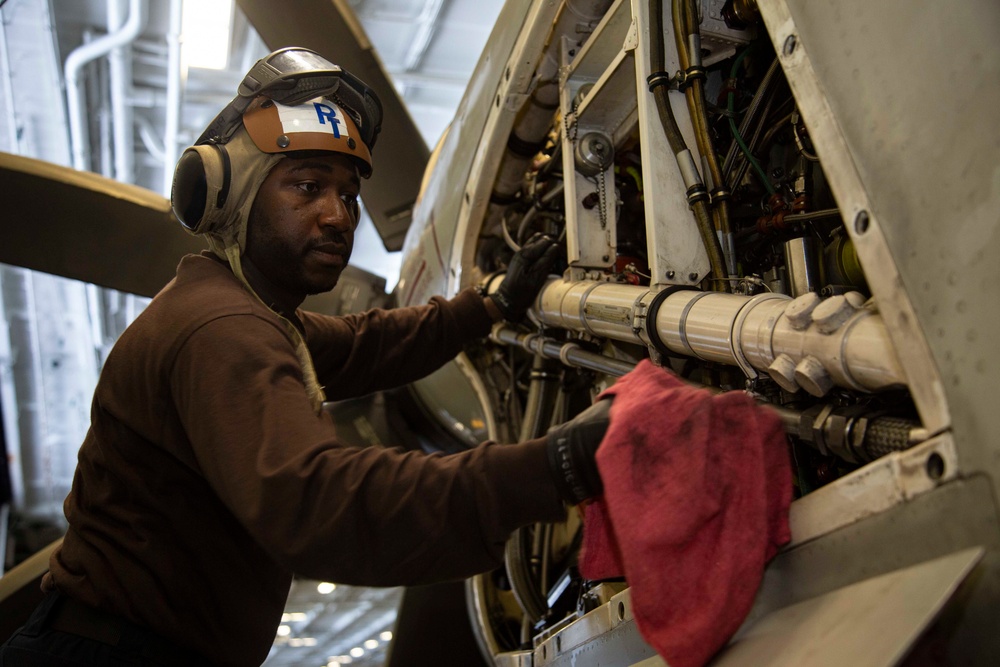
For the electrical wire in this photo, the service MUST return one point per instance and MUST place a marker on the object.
(730, 103)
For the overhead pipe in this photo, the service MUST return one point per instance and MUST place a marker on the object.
(175, 77)
(77, 60)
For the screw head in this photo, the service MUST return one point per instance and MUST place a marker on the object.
(671, 274)
(693, 276)
(861, 222)
(351, 143)
(790, 43)
(284, 141)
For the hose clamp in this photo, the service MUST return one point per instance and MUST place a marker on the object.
(736, 332)
(654, 310)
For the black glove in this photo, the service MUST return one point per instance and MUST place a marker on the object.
(571, 449)
(525, 276)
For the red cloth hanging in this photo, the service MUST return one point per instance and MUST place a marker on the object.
(696, 494)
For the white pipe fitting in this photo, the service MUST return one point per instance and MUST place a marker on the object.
(766, 333)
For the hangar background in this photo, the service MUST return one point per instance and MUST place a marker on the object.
(126, 112)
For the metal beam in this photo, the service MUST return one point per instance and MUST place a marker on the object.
(331, 28)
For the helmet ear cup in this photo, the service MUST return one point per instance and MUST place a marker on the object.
(201, 185)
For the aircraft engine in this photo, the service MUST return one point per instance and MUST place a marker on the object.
(788, 198)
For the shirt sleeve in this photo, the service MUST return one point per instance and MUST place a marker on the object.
(362, 516)
(380, 349)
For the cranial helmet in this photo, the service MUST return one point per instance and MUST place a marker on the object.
(292, 100)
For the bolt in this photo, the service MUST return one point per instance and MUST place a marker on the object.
(351, 143)
(693, 276)
(605, 258)
(284, 141)
(671, 274)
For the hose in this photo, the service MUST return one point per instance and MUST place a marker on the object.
(737, 136)
(697, 195)
(688, 38)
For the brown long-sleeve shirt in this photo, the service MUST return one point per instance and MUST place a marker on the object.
(207, 478)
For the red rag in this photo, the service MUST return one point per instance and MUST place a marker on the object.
(696, 494)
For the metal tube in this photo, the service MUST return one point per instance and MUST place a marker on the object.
(749, 332)
(882, 434)
(76, 61)
(174, 77)
(120, 70)
(568, 353)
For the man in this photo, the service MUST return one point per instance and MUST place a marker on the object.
(211, 474)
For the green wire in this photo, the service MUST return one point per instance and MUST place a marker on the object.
(730, 104)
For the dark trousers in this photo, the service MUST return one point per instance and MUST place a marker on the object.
(64, 633)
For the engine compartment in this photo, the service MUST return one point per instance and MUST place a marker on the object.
(717, 218)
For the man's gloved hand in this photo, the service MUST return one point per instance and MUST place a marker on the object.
(525, 276)
(571, 449)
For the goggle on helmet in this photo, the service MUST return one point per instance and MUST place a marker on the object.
(293, 76)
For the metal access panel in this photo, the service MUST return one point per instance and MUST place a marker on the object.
(869, 624)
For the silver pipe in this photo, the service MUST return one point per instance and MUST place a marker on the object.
(152, 142)
(427, 24)
(569, 353)
(791, 420)
(174, 78)
(839, 343)
(120, 70)
(36, 469)
(76, 61)
(8, 93)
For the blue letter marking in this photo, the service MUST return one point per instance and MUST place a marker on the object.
(325, 113)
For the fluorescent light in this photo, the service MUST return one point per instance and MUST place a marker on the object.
(293, 617)
(385, 636)
(205, 29)
(357, 652)
(326, 587)
(284, 631)
(371, 644)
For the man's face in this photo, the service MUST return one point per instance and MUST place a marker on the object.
(301, 228)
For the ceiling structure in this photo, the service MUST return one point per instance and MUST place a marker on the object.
(428, 50)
